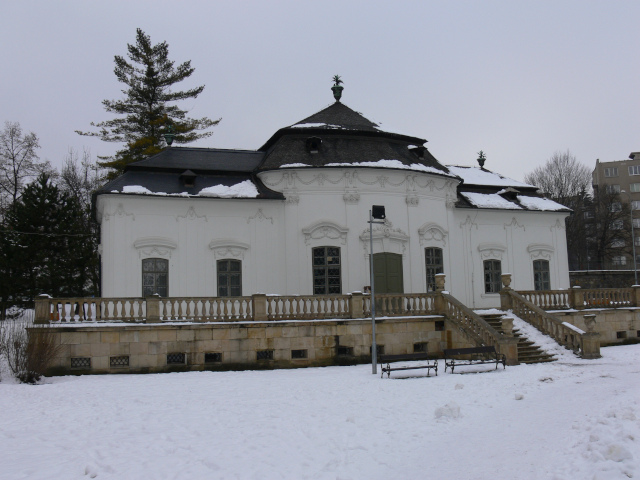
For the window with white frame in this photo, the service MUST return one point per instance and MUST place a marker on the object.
(636, 240)
(635, 205)
(618, 243)
(492, 273)
(434, 264)
(636, 223)
(155, 277)
(617, 225)
(619, 260)
(541, 275)
(634, 187)
(634, 170)
(615, 207)
(613, 188)
(229, 278)
(611, 172)
(326, 270)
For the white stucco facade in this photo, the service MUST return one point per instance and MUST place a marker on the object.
(328, 206)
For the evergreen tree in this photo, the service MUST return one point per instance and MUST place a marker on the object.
(48, 249)
(146, 112)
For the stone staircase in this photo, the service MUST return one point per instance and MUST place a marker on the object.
(528, 351)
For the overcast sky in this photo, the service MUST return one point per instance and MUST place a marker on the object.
(518, 80)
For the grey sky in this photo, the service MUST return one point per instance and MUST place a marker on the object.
(518, 80)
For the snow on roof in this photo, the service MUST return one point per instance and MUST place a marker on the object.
(489, 200)
(476, 176)
(315, 125)
(294, 165)
(384, 163)
(245, 189)
(535, 203)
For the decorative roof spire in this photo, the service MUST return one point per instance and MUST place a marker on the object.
(337, 89)
(481, 159)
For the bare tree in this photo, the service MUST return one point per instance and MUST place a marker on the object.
(80, 176)
(568, 182)
(18, 160)
(562, 178)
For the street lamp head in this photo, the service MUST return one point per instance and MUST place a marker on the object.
(377, 212)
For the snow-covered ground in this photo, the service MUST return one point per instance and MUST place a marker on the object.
(573, 419)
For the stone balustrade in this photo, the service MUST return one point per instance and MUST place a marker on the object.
(579, 298)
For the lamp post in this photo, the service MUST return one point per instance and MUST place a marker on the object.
(633, 238)
(377, 212)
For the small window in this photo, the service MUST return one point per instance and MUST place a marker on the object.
(155, 277)
(635, 205)
(636, 223)
(345, 351)
(229, 278)
(120, 361)
(634, 170)
(379, 350)
(613, 188)
(492, 273)
(326, 270)
(176, 358)
(634, 187)
(439, 324)
(433, 260)
(617, 225)
(213, 357)
(588, 214)
(618, 243)
(295, 354)
(619, 260)
(615, 207)
(420, 347)
(264, 354)
(611, 172)
(541, 276)
(621, 335)
(80, 362)
(636, 241)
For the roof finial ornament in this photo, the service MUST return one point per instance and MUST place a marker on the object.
(481, 159)
(337, 89)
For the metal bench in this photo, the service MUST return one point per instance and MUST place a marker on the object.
(475, 356)
(407, 357)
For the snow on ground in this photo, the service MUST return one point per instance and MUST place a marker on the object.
(572, 419)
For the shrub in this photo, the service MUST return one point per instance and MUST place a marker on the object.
(29, 349)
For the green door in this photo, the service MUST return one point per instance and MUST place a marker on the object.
(387, 273)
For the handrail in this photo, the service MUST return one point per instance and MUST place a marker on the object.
(565, 334)
(470, 323)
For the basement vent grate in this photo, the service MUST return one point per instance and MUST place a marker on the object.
(298, 354)
(265, 354)
(439, 325)
(345, 351)
(420, 347)
(176, 359)
(212, 357)
(119, 361)
(80, 362)
(379, 350)
(622, 334)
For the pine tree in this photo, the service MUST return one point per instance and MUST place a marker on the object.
(49, 249)
(146, 112)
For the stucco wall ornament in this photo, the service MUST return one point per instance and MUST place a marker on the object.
(260, 216)
(119, 212)
(514, 224)
(540, 251)
(412, 200)
(325, 229)
(432, 234)
(351, 196)
(291, 196)
(385, 239)
(558, 225)
(154, 247)
(491, 250)
(228, 248)
(191, 215)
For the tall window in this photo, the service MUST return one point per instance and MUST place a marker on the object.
(634, 170)
(326, 270)
(492, 272)
(613, 188)
(635, 205)
(634, 187)
(155, 277)
(541, 277)
(433, 259)
(229, 278)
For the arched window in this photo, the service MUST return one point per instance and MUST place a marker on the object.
(541, 276)
(326, 270)
(492, 273)
(229, 278)
(155, 277)
(433, 260)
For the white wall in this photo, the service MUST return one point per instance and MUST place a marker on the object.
(324, 207)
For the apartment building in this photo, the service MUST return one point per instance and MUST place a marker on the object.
(622, 177)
